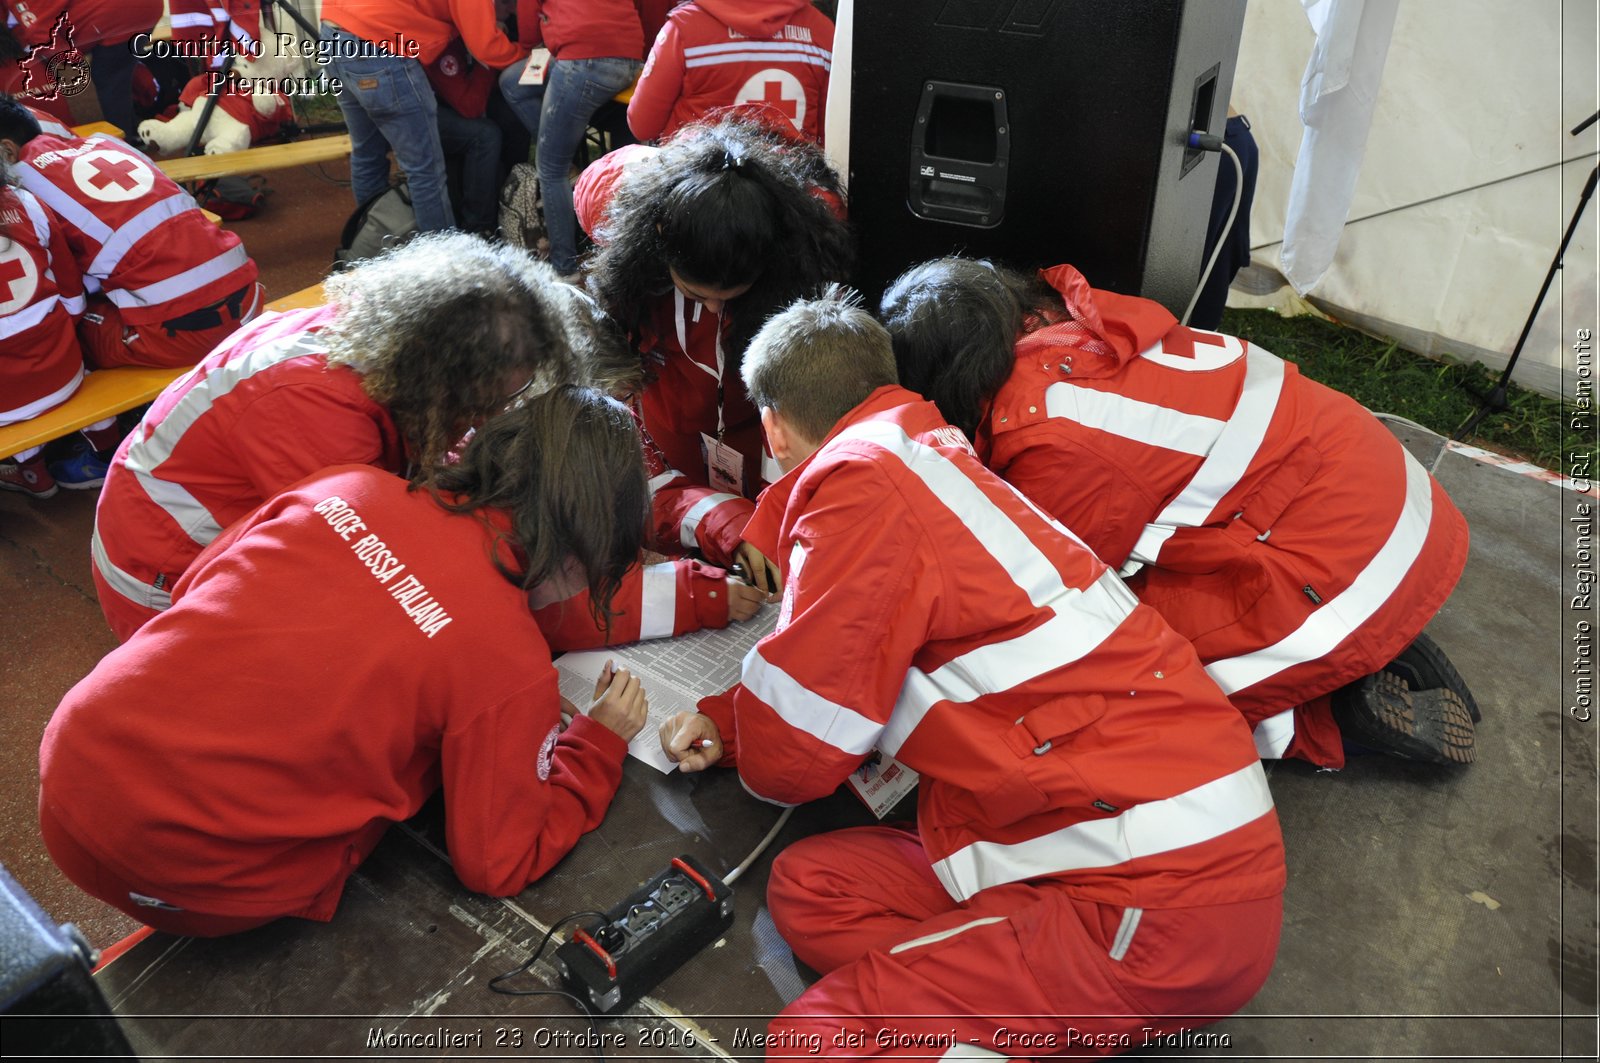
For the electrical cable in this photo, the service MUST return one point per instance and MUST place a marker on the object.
(1409, 423)
(496, 983)
(1204, 142)
(733, 876)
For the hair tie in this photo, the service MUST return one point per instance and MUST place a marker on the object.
(730, 161)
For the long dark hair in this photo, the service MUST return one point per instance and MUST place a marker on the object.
(567, 467)
(723, 204)
(954, 323)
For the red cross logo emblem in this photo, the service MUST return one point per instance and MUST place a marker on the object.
(107, 172)
(112, 176)
(19, 278)
(779, 90)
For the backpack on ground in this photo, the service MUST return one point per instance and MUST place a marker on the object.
(522, 211)
(384, 221)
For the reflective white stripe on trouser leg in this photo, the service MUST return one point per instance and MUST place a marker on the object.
(1274, 734)
(658, 604)
(942, 935)
(972, 1052)
(130, 587)
(1125, 932)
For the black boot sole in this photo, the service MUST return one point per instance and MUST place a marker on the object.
(1383, 714)
(1424, 666)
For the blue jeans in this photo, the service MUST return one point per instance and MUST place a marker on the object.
(557, 113)
(388, 103)
(477, 142)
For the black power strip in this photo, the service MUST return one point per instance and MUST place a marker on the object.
(647, 936)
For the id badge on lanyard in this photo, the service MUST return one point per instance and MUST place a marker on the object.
(724, 464)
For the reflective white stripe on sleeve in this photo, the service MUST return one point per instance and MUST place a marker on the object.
(1199, 815)
(968, 1051)
(1273, 735)
(146, 452)
(34, 409)
(1338, 616)
(136, 229)
(68, 209)
(129, 586)
(35, 211)
(195, 277)
(1228, 461)
(1144, 422)
(944, 935)
(658, 606)
(843, 728)
(662, 479)
(697, 513)
(1082, 621)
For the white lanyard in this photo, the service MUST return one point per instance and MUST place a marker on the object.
(680, 308)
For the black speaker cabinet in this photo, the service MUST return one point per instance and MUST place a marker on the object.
(1038, 132)
(49, 1005)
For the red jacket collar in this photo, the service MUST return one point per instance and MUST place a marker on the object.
(1106, 329)
(765, 528)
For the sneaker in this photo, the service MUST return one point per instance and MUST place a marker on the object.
(85, 469)
(1385, 715)
(30, 477)
(1424, 666)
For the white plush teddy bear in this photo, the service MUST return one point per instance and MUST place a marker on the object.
(242, 116)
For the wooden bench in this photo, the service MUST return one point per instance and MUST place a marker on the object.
(108, 392)
(252, 160)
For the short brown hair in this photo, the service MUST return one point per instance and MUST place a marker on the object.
(817, 360)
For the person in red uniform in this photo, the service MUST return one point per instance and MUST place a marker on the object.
(700, 240)
(41, 296)
(772, 56)
(1270, 519)
(1096, 850)
(664, 598)
(412, 349)
(337, 656)
(166, 284)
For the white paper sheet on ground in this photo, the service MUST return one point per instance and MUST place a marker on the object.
(676, 674)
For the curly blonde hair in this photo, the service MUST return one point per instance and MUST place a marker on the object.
(437, 327)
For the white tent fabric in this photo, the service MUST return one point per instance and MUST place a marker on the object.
(1337, 97)
(1469, 179)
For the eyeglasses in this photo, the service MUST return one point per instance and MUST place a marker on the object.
(519, 396)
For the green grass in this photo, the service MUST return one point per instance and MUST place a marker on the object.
(321, 109)
(1386, 379)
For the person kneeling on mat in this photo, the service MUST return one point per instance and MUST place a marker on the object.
(1096, 848)
(336, 656)
(1268, 518)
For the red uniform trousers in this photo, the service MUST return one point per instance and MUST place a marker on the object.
(123, 614)
(108, 341)
(99, 881)
(1024, 969)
